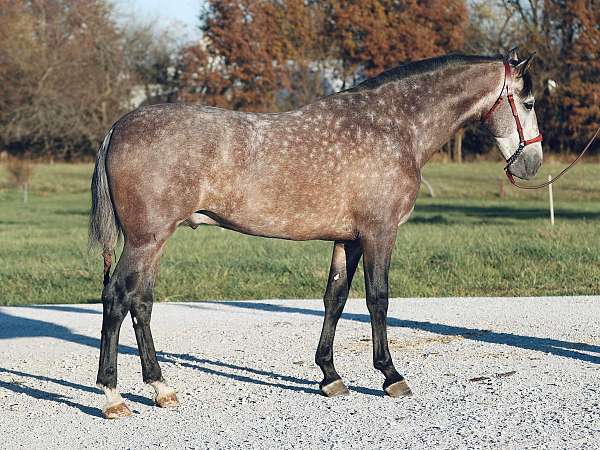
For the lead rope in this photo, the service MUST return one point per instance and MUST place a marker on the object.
(547, 183)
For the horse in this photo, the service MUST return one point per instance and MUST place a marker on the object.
(345, 168)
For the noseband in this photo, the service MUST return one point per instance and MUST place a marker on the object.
(507, 90)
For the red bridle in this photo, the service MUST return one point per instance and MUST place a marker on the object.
(507, 86)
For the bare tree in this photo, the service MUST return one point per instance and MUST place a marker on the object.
(67, 72)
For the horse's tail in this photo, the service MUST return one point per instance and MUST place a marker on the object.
(104, 229)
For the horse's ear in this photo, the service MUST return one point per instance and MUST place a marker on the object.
(523, 66)
(512, 55)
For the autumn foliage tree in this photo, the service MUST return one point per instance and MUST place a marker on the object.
(256, 55)
(573, 109)
(251, 51)
(372, 35)
(566, 38)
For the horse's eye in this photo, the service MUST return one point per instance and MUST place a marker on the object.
(528, 105)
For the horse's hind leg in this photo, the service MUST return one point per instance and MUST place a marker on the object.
(132, 280)
(377, 248)
(141, 311)
(343, 265)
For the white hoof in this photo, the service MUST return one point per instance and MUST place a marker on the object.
(166, 397)
(115, 407)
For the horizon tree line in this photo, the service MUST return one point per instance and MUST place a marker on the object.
(69, 68)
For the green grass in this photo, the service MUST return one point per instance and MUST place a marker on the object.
(467, 242)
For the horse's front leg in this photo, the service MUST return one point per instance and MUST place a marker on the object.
(377, 247)
(343, 265)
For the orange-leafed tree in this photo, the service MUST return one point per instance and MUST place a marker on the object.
(372, 35)
(578, 97)
(566, 37)
(274, 54)
(250, 52)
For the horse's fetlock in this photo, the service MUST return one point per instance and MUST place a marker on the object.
(323, 361)
(324, 357)
(382, 363)
(107, 379)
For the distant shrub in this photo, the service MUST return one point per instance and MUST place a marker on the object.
(20, 172)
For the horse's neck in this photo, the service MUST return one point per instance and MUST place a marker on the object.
(437, 104)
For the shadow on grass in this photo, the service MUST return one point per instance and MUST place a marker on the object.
(72, 212)
(496, 211)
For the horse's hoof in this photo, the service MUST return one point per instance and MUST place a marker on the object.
(398, 389)
(334, 389)
(167, 401)
(118, 411)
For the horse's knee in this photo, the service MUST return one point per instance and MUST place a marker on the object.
(335, 303)
(324, 356)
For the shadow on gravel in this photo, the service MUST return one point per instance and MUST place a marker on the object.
(202, 364)
(556, 347)
(66, 308)
(20, 327)
(39, 394)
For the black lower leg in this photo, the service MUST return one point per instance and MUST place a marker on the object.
(115, 303)
(382, 360)
(377, 254)
(343, 265)
(141, 310)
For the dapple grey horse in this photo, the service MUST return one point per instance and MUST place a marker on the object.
(346, 168)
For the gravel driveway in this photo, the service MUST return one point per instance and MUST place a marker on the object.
(486, 373)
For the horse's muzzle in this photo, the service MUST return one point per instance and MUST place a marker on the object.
(527, 165)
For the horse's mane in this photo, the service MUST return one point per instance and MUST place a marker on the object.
(428, 65)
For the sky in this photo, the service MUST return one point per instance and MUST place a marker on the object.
(180, 16)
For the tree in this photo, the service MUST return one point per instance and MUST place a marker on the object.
(67, 72)
(256, 55)
(374, 35)
(153, 62)
(59, 76)
(565, 36)
(576, 104)
(275, 54)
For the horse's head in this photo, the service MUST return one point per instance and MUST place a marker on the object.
(513, 122)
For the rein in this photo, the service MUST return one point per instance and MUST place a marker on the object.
(547, 183)
(522, 141)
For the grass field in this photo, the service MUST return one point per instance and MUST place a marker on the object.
(466, 241)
